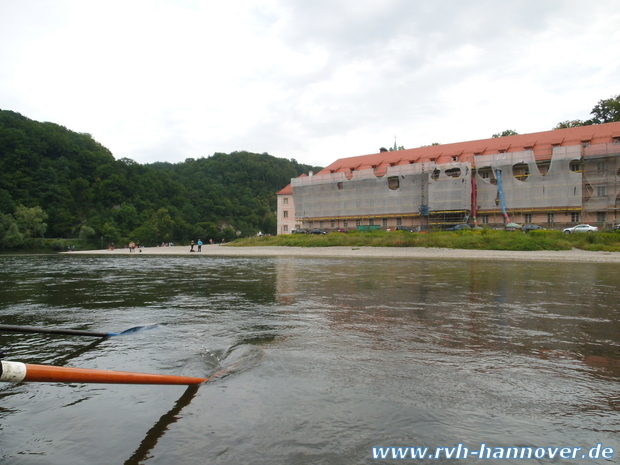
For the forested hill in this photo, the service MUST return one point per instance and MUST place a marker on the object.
(59, 183)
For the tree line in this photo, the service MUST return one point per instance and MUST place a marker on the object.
(56, 183)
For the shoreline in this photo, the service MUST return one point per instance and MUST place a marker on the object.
(573, 256)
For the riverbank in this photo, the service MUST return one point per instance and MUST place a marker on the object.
(574, 255)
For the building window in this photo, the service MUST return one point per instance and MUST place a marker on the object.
(543, 167)
(521, 171)
(574, 217)
(340, 186)
(345, 224)
(371, 221)
(601, 191)
(393, 182)
(485, 219)
(600, 217)
(453, 172)
(575, 166)
(601, 165)
(528, 217)
(550, 217)
(399, 221)
(321, 224)
(385, 222)
(358, 222)
(285, 213)
(285, 228)
(333, 224)
(285, 200)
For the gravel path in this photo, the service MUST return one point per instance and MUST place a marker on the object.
(374, 252)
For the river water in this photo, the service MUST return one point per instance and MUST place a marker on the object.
(326, 358)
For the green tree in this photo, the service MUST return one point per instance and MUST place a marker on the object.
(111, 234)
(157, 229)
(31, 222)
(572, 124)
(10, 237)
(86, 233)
(7, 205)
(606, 111)
(269, 223)
(163, 225)
(507, 132)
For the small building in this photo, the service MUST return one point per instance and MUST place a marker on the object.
(286, 210)
(552, 178)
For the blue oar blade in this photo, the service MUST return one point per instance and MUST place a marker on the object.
(135, 329)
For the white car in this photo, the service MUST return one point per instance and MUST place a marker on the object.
(580, 228)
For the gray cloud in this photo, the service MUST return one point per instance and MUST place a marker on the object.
(314, 81)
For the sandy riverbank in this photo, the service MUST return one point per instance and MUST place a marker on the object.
(374, 252)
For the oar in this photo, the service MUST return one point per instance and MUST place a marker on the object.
(16, 372)
(70, 332)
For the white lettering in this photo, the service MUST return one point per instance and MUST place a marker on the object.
(399, 452)
(595, 452)
(380, 453)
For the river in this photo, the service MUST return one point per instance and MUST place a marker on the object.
(325, 358)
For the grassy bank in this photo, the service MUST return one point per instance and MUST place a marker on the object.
(484, 239)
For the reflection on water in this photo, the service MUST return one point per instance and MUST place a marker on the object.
(330, 357)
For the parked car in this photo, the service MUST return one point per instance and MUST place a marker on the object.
(405, 228)
(530, 227)
(317, 231)
(457, 227)
(580, 228)
(300, 231)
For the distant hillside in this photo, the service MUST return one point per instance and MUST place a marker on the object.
(83, 191)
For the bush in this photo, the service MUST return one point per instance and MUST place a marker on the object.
(58, 245)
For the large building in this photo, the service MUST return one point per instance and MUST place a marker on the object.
(552, 178)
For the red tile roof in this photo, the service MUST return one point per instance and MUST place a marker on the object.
(540, 142)
(288, 190)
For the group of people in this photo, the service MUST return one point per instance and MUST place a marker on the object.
(199, 244)
(132, 247)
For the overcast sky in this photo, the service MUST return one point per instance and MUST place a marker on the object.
(313, 80)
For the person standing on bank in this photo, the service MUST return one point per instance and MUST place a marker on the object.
(199, 245)
(191, 246)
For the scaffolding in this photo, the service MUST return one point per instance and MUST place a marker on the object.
(402, 190)
(601, 180)
(525, 185)
(577, 180)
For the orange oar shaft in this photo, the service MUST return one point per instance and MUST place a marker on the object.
(17, 372)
